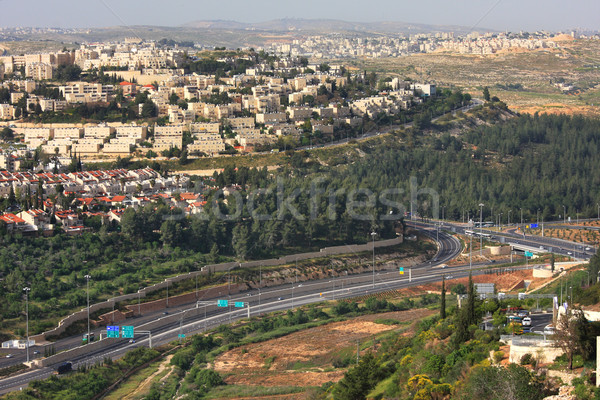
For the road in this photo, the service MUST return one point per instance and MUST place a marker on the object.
(552, 245)
(261, 301)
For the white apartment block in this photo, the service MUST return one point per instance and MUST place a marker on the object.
(205, 127)
(7, 111)
(97, 132)
(68, 133)
(139, 133)
(299, 113)
(271, 118)
(38, 133)
(242, 122)
(39, 71)
(85, 149)
(116, 149)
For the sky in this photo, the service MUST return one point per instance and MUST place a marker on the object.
(511, 15)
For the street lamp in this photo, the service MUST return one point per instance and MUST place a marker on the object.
(509, 211)
(538, 216)
(564, 214)
(481, 229)
(87, 278)
(27, 289)
(373, 236)
(598, 204)
(521, 216)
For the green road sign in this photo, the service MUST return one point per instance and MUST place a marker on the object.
(112, 331)
(222, 303)
(239, 304)
(528, 254)
(127, 332)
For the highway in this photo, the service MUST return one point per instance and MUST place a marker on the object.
(551, 245)
(271, 299)
(261, 301)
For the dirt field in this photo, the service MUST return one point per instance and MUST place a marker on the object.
(304, 358)
(576, 235)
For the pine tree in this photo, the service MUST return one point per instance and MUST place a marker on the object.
(443, 300)
(471, 317)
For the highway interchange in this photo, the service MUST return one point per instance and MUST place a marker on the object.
(284, 297)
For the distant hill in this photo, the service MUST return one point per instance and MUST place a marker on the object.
(327, 26)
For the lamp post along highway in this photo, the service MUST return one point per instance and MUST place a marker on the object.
(87, 278)
(373, 236)
(564, 214)
(481, 229)
(26, 290)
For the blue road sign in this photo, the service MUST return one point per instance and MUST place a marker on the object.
(222, 303)
(528, 254)
(239, 304)
(181, 335)
(533, 226)
(112, 331)
(127, 332)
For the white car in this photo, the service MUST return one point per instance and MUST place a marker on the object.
(526, 321)
(569, 253)
(549, 330)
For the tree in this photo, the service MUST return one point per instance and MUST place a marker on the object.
(239, 241)
(486, 94)
(359, 381)
(443, 300)
(513, 382)
(565, 336)
(7, 134)
(471, 317)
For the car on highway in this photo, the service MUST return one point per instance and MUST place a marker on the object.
(526, 321)
(36, 352)
(280, 298)
(10, 355)
(588, 248)
(569, 253)
(549, 330)
(449, 277)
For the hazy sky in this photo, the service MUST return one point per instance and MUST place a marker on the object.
(511, 15)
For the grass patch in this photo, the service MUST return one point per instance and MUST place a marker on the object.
(134, 382)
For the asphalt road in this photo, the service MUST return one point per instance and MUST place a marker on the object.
(551, 245)
(260, 301)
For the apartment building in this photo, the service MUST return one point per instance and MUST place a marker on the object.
(97, 132)
(168, 136)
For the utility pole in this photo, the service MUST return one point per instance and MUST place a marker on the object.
(27, 289)
(373, 236)
(481, 229)
(87, 278)
(564, 215)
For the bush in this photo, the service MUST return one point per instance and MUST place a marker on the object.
(527, 359)
(498, 356)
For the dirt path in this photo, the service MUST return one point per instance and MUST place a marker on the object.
(146, 383)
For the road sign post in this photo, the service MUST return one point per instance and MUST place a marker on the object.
(127, 332)
(112, 331)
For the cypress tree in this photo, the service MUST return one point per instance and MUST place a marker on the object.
(443, 300)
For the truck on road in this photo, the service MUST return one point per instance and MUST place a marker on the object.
(64, 368)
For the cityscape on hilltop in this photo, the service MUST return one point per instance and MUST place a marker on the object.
(300, 208)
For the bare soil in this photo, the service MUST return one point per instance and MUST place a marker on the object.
(304, 358)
